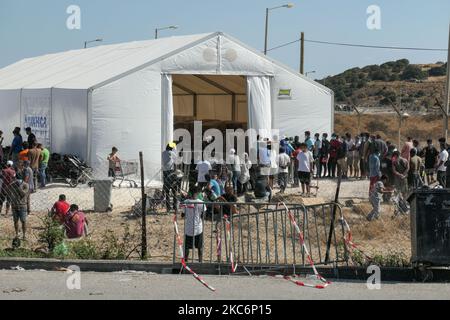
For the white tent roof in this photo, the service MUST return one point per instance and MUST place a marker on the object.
(85, 68)
(94, 67)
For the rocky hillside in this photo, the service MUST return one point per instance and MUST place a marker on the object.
(375, 85)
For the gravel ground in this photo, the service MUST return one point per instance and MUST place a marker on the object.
(385, 236)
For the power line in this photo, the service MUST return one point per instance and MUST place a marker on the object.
(359, 46)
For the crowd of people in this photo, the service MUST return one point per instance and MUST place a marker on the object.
(23, 171)
(292, 162)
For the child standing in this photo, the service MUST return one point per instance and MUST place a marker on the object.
(376, 196)
(193, 224)
(113, 162)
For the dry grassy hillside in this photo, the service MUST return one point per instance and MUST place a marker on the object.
(419, 127)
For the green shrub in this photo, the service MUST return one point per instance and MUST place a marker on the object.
(413, 72)
(52, 234)
(84, 249)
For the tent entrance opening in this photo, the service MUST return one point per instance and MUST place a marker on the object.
(219, 101)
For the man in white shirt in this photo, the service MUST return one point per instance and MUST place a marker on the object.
(203, 168)
(305, 167)
(283, 169)
(441, 167)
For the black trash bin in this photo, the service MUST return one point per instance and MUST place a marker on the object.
(430, 227)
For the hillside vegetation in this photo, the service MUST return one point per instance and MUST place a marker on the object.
(376, 85)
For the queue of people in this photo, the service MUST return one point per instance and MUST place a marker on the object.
(296, 163)
(29, 151)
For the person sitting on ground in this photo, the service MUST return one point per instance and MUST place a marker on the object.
(19, 195)
(113, 161)
(262, 189)
(60, 209)
(193, 225)
(212, 188)
(75, 223)
(376, 195)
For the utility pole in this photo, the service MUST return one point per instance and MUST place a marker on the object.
(266, 38)
(447, 89)
(445, 116)
(144, 211)
(302, 53)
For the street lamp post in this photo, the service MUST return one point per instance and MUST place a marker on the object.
(289, 6)
(92, 41)
(310, 72)
(164, 28)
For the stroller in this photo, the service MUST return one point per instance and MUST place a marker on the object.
(68, 169)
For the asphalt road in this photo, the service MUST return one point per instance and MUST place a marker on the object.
(142, 286)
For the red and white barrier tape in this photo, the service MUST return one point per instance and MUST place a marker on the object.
(349, 240)
(308, 256)
(230, 243)
(183, 262)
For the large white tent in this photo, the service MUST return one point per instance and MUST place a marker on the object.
(127, 95)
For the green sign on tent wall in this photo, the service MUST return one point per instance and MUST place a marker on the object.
(284, 94)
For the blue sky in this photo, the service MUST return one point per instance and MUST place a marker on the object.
(36, 27)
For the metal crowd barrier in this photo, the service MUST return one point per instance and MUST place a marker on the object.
(262, 234)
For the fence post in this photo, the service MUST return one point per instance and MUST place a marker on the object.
(333, 217)
(144, 210)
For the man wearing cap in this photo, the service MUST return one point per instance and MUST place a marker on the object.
(168, 167)
(7, 177)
